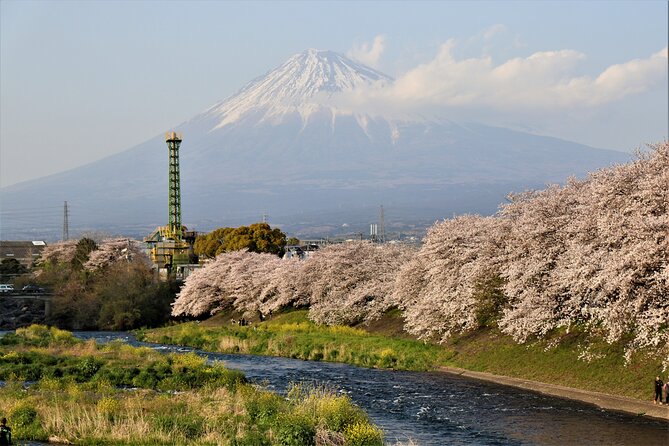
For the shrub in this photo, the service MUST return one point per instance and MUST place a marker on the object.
(295, 430)
(145, 379)
(22, 416)
(363, 434)
(229, 379)
(388, 358)
(338, 412)
(129, 375)
(39, 336)
(26, 423)
(49, 384)
(88, 367)
(107, 406)
(179, 424)
(262, 406)
(190, 359)
(62, 337)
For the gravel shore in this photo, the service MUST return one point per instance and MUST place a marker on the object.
(603, 400)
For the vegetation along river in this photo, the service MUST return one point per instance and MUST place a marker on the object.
(434, 408)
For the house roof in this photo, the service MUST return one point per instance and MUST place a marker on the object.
(24, 251)
(21, 243)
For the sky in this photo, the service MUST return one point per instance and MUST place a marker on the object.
(82, 80)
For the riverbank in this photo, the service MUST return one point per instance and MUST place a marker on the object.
(602, 400)
(292, 335)
(116, 394)
(590, 368)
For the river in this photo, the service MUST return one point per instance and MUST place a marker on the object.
(435, 409)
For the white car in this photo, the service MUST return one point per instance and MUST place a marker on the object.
(6, 288)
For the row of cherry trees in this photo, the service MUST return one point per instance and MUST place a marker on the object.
(341, 284)
(592, 253)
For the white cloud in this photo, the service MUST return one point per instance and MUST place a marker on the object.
(368, 53)
(632, 77)
(543, 80)
(495, 40)
(493, 31)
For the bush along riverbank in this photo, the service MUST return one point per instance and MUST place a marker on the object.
(292, 335)
(113, 394)
(575, 359)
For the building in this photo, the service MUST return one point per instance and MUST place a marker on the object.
(26, 252)
(301, 252)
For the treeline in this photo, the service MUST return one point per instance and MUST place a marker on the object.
(108, 285)
(341, 284)
(591, 255)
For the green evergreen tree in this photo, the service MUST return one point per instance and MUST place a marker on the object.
(84, 248)
(258, 237)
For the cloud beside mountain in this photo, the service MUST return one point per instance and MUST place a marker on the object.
(545, 80)
(279, 145)
(368, 53)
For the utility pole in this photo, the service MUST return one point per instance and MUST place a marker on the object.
(66, 223)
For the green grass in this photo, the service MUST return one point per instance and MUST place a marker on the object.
(557, 360)
(176, 399)
(292, 335)
(30, 357)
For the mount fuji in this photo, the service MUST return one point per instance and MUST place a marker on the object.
(283, 144)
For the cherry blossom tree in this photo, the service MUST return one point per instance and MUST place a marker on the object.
(285, 287)
(59, 252)
(238, 280)
(116, 250)
(353, 281)
(591, 253)
(437, 288)
(534, 246)
(341, 283)
(605, 263)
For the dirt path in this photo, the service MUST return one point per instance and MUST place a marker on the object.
(611, 402)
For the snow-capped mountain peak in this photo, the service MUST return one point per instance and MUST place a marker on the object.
(295, 144)
(305, 83)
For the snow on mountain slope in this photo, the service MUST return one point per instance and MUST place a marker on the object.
(284, 145)
(303, 85)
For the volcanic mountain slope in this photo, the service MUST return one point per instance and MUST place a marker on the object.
(281, 145)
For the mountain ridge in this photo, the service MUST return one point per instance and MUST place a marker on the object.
(292, 151)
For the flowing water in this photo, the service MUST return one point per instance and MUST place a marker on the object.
(433, 408)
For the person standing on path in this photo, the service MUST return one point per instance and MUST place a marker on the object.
(658, 390)
(666, 391)
(5, 433)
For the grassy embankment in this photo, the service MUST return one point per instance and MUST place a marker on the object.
(81, 394)
(383, 344)
(292, 335)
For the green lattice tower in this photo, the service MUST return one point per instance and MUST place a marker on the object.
(173, 140)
